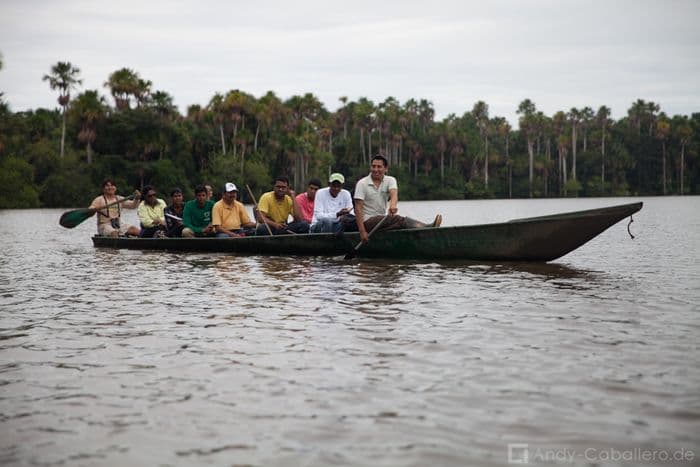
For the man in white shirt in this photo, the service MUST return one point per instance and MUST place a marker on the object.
(372, 193)
(331, 204)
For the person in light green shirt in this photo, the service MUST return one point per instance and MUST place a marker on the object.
(151, 214)
(197, 215)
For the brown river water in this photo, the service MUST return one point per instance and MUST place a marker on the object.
(116, 358)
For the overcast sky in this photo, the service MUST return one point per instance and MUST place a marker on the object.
(560, 54)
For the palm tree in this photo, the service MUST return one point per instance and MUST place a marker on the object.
(587, 116)
(563, 143)
(64, 77)
(652, 110)
(163, 104)
(528, 125)
(643, 113)
(545, 129)
(503, 128)
(663, 130)
(603, 118)
(480, 112)
(237, 104)
(636, 114)
(142, 92)
(559, 128)
(123, 84)
(684, 133)
(575, 116)
(216, 107)
(87, 109)
(363, 119)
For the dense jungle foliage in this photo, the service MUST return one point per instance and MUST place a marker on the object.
(58, 157)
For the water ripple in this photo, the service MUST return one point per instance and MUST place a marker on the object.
(126, 357)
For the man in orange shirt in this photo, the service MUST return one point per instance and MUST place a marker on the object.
(229, 216)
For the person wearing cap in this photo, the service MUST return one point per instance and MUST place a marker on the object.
(332, 204)
(151, 214)
(275, 207)
(197, 215)
(229, 216)
(305, 200)
(174, 213)
(374, 194)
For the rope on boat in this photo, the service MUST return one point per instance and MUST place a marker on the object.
(628, 227)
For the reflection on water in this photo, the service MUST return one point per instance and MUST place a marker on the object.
(127, 357)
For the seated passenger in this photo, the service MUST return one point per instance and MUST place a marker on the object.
(376, 200)
(109, 221)
(229, 216)
(305, 201)
(151, 214)
(197, 215)
(331, 206)
(275, 207)
(174, 213)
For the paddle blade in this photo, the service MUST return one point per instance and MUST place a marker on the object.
(352, 253)
(70, 219)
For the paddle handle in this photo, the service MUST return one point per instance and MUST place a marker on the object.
(255, 206)
(351, 255)
(374, 229)
(113, 203)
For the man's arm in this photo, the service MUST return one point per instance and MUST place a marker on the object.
(296, 210)
(347, 203)
(97, 204)
(216, 220)
(144, 218)
(132, 203)
(359, 219)
(321, 210)
(393, 201)
(187, 219)
(268, 220)
(244, 217)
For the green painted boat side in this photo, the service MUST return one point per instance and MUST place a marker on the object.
(532, 239)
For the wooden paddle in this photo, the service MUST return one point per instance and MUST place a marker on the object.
(255, 208)
(73, 218)
(352, 253)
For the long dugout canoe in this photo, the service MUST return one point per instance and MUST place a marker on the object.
(537, 239)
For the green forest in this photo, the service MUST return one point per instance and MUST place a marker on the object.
(134, 134)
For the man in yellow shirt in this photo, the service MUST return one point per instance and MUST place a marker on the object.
(275, 208)
(229, 216)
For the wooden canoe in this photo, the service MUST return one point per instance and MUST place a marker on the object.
(532, 239)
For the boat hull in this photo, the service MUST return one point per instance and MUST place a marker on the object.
(533, 239)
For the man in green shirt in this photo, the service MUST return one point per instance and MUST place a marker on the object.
(197, 215)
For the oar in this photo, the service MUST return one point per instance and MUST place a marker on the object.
(73, 218)
(352, 253)
(255, 207)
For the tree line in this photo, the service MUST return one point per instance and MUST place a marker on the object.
(58, 157)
